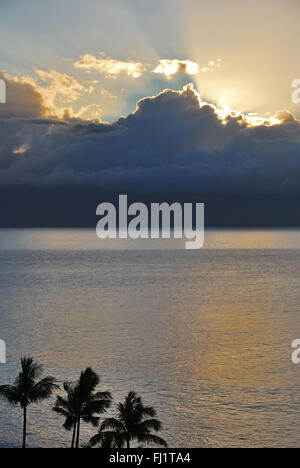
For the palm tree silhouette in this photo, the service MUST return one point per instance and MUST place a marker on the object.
(130, 424)
(68, 408)
(82, 403)
(27, 389)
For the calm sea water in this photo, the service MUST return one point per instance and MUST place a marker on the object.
(204, 336)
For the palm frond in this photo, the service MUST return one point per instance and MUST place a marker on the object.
(151, 439)
(113, 424)
(62, 403)
(61, 411)
(30, 369)
(93, 420)
(96, 440)
(108, 440)
(98, 406)
(10, 393)
(101, 396)
(132, 396)
(148, 425)
(146, 410)
(42, 389)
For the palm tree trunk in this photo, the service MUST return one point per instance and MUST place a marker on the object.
(128, 442)
(78, 433)
(74, 433)
(24, 427)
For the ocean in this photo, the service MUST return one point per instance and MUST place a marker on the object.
(204, 336)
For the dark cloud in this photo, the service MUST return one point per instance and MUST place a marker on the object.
(171, 144)
(23, 100)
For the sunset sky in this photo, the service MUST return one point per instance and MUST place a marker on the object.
(147, 97)
(244, 54)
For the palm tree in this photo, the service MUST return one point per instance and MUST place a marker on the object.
(82, 403)
(67, 407)
(130, 424)
(27, 389)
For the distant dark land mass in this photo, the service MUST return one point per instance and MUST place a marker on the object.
(67, 208)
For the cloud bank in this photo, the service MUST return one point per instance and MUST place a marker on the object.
(172, 143)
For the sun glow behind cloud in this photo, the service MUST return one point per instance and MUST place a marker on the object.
(260, 58)
(251, 119)
(60, 92)
(118, 79)
(123, 76)
(225, 113)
